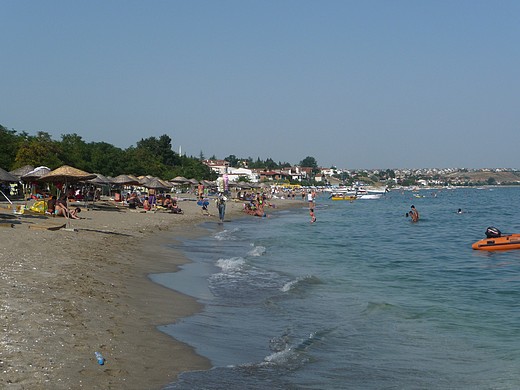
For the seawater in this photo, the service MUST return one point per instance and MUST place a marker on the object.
(361, 299)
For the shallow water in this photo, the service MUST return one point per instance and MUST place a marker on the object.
(361, 299)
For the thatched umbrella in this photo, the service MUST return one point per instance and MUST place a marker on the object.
(19, 172)
(35, 174)
(156, 184)
(125, 180)
(66, 174)
(7, 178)
(144, 179)
(179, 180)
(100, 179)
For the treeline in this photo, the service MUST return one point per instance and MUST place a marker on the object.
(151, 156)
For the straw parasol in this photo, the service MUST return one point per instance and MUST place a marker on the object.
(7, 177)
(35, 174)
(179, 180)
(100, 179)
(125, 179)
(67, 174)
(156, 184)
(19, 172)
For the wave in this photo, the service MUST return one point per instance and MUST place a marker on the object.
(226, 235)
(257, 251)
(299, 283)
(292, 356)
(231, 264)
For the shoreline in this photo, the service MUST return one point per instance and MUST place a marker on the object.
(69, 294)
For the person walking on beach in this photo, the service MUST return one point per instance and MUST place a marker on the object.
(221, 205)
(414, 214)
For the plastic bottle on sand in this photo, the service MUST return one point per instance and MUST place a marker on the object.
(100, 358)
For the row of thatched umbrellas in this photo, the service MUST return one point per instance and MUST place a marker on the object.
(67, 174)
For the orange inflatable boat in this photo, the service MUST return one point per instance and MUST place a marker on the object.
(502, 243)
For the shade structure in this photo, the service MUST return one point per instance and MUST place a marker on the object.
(67, 174)
(144, 179)
(125, 179)
(7, 177)
(35, 174)
(156, 184)
(179, 180)
(19, 172)
(193, 181)
(100, 179)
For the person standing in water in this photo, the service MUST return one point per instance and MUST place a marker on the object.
(221, 205)
(414, 214)
(313, 216)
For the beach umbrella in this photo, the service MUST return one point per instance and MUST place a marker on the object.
(144, 180)
(125, 179)
(67, 174)
(156, 184)
(133, 177)
(35, 174)
(7, 177)
(19, 172)
(100, 179)
(179, 180)
(193, 181)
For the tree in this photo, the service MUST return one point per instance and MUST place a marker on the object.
(162, 148)
(39, 150)
(75, 152)
(9, 142)
(106, 159)
(232, 160)
(309, 162)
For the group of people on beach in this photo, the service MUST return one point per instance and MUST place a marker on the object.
(58, 207)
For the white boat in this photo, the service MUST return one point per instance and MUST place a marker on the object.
(369, 196)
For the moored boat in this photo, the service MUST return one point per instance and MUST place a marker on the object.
(343, 196)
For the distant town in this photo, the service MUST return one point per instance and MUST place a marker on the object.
(425, 177)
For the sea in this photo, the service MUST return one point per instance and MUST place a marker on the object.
(361, 299)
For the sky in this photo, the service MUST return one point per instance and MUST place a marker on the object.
(354, 84)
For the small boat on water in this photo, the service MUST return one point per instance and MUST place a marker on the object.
(343, 196)
(495, 241)
(353, 193)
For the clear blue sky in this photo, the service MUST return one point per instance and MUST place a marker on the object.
(357, 84)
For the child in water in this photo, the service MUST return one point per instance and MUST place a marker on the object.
(313, 217)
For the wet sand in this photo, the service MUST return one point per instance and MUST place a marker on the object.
(66, 294)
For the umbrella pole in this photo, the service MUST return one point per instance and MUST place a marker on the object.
(5, 196)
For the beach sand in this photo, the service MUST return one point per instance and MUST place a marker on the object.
(71, 292)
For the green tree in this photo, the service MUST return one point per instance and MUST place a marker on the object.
(106, 159)
(75, 152)
(39, 150)
(162, 148)
(232, 160)
(142, 161)
(9, 143)
(309, 162)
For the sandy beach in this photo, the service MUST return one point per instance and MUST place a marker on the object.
(71, 292)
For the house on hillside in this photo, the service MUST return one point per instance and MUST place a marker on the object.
(219, 166)
(234, 174)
